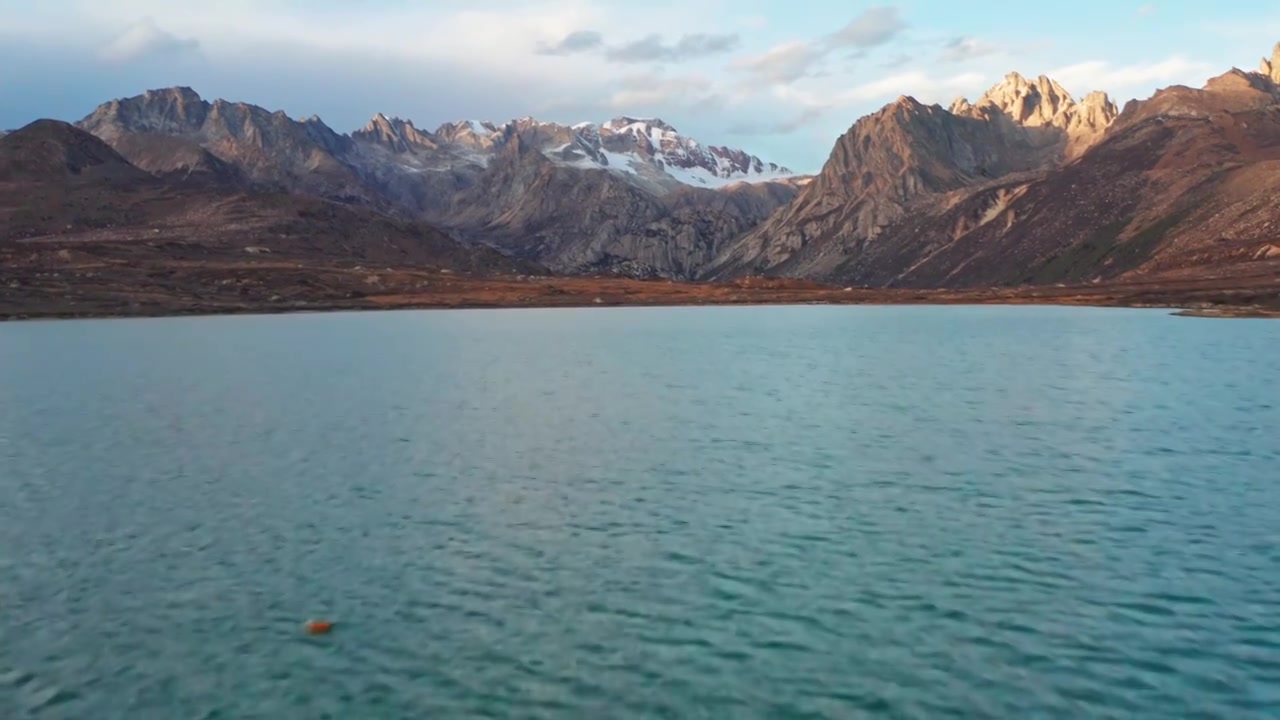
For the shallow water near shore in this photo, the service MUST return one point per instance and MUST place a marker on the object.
(752, 512)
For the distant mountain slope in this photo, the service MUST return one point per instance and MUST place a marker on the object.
(466, 176)
(48, 151)
(60, 185)
(1027, 184)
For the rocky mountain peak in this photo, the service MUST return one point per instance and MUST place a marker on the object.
(1238, 81)
(181, 95)
(1271, 68)
(169, 110)
(1031, 103)
(684, 158)
(907, 102)
(1097, 98)
(1043, 104)
(1093, 114)
(471, 134)
(623, 122)
(173, 130)
(397, 135)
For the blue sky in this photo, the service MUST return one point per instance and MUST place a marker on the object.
(779, 79)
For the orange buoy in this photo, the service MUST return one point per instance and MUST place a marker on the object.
(319, 627)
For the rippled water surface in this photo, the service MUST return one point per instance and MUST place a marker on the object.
(642, 513)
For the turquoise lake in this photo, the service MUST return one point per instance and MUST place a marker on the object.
(765, 512)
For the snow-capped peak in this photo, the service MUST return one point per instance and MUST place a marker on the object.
(647, 148)
(625, 122)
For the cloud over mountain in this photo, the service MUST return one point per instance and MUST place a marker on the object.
(795, 75)
(652, 48)
(146, 40)
(875, 26)
(577, 41)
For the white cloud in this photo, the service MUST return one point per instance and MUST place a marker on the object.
(925, 87)
(426, 59)
(639, 92)
(875, 26)
(1101, 75)
(1146, 10)
(790, 61)
(652, 48)
(145, 39)
(578, 41)
(782, 63)
(496, 36)
(963, 49)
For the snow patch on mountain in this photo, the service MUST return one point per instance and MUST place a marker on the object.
(701, 177)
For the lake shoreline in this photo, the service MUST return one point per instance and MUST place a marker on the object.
(317, 308)
(211, 289)
(1230, 313)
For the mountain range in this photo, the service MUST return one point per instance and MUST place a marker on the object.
(1026, 185)
(628, 195)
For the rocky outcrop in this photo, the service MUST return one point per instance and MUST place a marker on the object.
(1271, 68)
(396, 135)
(1062, 127)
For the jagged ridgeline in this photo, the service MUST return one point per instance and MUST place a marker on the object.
(630, 195)
(1028, 183)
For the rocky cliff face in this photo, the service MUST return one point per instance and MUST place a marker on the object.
(1045, 112)
(164, 131)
